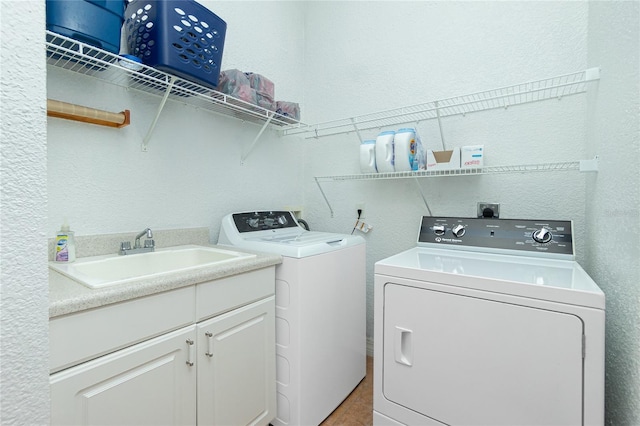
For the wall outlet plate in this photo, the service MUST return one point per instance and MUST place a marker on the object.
(495, 207)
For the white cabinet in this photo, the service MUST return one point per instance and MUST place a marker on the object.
(201, 354)
(150, 383)
(236, 384)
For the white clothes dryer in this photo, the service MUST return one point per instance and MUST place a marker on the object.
(320, 311)
(488, 322)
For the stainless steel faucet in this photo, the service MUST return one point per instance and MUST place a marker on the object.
(149, 244)
(149, 236)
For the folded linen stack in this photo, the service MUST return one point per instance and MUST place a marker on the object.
(288, 109)
(235, 83)
(265, 90)
(256, 89)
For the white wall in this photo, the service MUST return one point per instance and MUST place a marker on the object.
(362, 57)
(24, 304)
(337, 59)
(614, 203)
(192, 174)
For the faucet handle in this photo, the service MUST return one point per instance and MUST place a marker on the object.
(149, 243)
(125, 245)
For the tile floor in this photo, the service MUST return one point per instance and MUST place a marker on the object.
(357, 408)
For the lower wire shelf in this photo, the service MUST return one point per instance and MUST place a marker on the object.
(582, 166)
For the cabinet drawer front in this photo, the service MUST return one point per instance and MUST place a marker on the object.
(223, 295)
(86, 335)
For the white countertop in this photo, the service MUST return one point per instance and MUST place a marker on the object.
(67, 296)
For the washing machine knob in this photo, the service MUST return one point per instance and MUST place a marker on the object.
(542, 235)
(282, 220)
(254, 222)
(458, 230)
(438, 229)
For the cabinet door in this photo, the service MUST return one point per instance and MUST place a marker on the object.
(236, 366)
(150, 383)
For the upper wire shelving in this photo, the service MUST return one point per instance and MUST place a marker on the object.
(503, 97)
(80, 58)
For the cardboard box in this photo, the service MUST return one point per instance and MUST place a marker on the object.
(472, 156)
(443, 160)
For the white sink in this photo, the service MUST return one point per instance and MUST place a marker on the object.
(104, 271)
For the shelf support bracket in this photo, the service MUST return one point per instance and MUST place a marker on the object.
(326, 200)
(415, 179)
(589, 165)
(255, 140)
(145, 141)
(355, 127)
(440, 127)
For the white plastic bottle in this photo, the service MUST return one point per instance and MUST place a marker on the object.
(65, 245)
(384, 151)
(368, 156)
(404, 145)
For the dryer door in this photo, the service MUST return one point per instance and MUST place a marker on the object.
(470, 361)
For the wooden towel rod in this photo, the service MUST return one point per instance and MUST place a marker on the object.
(87, 115)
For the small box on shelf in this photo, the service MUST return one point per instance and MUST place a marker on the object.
(472, 157)
(443, 160)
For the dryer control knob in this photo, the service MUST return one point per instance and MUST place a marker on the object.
(438, 229)
(542, 235)
(458, 230)
(282, 220)
(254, 222)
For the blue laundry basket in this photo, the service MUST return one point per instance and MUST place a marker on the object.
(180, 37)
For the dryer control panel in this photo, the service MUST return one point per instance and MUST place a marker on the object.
(546, 236)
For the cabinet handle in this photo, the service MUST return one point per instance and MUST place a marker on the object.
(209, 352)
(192, 350)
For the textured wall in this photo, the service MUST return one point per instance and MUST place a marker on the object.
(192, 173)
(364, 57)
(359, 57)
(24, 349)
(613, 207)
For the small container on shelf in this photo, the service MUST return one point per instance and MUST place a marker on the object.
(368, 156)
(385, 151)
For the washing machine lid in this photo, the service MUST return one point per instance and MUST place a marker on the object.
(533, 277)
(278, 232)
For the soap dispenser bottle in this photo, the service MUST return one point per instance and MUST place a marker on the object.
(65, 245)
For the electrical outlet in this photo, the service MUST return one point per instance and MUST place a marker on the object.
(360, 206)
(494, 207)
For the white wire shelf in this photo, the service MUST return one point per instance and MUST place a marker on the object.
(504, 97)
(72, 55)
(584, 166)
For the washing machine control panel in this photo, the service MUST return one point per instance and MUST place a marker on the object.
(260, 221)
(552, 236)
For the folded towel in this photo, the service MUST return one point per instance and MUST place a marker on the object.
(288, 109)
(262, 84)
(235, 83)
(266, 102)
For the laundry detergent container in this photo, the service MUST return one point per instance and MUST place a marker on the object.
(94, 22)
(180, 37)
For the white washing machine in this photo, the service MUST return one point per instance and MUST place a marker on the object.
(488, 322)
(320, 311)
